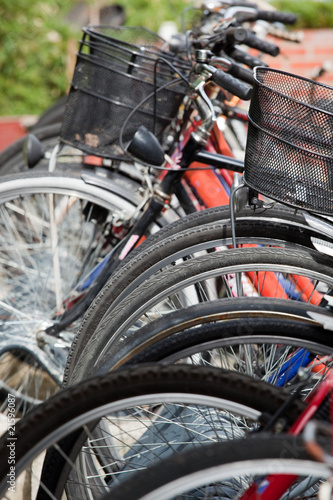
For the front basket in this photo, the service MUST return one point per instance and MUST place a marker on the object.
(119, 85)
(289, 152)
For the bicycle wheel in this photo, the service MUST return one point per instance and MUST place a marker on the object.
(269, 340)
(113, 425)
(53, 233)
(201, 279)
(227, 470)
(207, 230)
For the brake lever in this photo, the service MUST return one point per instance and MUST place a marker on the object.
(240, 14)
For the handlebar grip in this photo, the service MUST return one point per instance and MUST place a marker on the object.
(232, 85)
(245, 58)
(274, 16)
(267, 47)
(244, 74)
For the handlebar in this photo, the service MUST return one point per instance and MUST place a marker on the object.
(275, 16)
(249, 14)
(236, 35)
(257, 43)
(229, 31)
(236, 70)
(245, 58)
(206, 69)
(231, 84)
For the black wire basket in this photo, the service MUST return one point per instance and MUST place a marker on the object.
(123, 78)
(289, 151)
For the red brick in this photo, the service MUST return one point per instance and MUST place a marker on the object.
(320, 35)
(305, 64)
(293, 50)
(10, 130)
(327, 79)
(326, 50)
(277, 65)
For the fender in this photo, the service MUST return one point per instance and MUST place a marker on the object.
(122, 185)
(128, 188)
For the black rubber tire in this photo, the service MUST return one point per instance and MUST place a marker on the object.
(58, 417)
(116, 323)
(179, 239)
(194, 468)
(217, 324)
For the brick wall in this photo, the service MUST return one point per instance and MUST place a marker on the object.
(11, 129)
(303, 58)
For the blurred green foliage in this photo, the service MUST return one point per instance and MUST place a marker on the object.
(311, 13)
(151, 13)
(34, 39)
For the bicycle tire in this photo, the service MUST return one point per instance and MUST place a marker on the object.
(133, 310)
(29, 300)
(212, 471)
(201, 230)
(256, 339)
(53, 424)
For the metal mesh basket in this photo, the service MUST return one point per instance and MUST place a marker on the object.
(289, 152)
(122, 79)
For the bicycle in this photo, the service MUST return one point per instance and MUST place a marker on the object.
(53, 338)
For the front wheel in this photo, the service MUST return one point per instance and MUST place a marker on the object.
(104, 429)
(55, 234)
